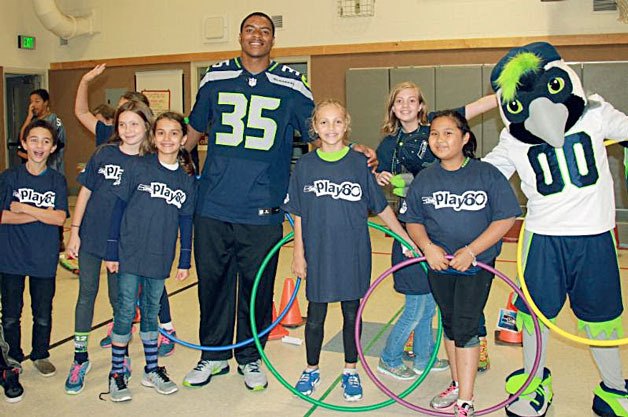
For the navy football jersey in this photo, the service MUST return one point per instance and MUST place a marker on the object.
(102, 175)
(32, 248)
(252, 119)
(408, 151)
(155, 197)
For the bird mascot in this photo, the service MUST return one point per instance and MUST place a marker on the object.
(554, 139)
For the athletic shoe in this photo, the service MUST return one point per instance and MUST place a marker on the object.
(106, 341)
(351, 387)
(158, 379)
(254, 378)
(401, 372)
(446, 399)
(535, 400)
(485, 363)
(76, 378)
(118, 389)
(203, 372)
(439, 366)
(466, 410)
(610, 402)
(45, 367)
(308, 382)
(166, 346)
(10, 381)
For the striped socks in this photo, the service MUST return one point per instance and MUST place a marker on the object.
(117, 359)
(150, 353)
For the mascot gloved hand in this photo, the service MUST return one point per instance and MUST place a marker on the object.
(554, 139)
(400, 183)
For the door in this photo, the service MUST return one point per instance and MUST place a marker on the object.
(17, 89)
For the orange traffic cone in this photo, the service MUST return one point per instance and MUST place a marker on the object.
(506, 336)
(293, 318)
(279, 331)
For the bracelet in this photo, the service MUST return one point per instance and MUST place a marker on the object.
(427, 245)
(75, 225)
(474, 261)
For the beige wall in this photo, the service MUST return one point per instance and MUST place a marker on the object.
(17, 18)
(156, 27)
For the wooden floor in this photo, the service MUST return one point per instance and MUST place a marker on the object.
(572, 367)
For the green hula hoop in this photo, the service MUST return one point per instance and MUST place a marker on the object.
(288, 385)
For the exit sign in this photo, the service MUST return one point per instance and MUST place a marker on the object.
(25, 42)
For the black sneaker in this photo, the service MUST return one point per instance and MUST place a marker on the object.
(13, 390)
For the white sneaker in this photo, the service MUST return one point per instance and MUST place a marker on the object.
(203, 372)
(254, 378)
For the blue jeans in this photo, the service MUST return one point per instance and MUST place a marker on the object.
(417, 315)
(128, 288)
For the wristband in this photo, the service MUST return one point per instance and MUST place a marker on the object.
(474, 261)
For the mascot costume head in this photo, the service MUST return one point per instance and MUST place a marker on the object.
(540, 96)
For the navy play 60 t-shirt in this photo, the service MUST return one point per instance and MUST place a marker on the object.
(33, 248)
(156, 197)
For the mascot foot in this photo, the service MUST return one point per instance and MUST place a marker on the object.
(535, 400)
(608, 402)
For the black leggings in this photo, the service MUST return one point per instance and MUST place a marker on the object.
(461, 300)
(315, 330)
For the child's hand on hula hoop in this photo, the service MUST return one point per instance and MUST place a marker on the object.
(463, 259)
(436, 257)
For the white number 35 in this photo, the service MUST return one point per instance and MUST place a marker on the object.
(255, 120)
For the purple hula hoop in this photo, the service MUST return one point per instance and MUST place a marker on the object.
(385, 390)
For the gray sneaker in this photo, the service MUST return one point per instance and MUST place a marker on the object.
(445, 399)
(45, 367)
(439, 366)
(158, 379)
(203, 372)
(118, 389)
(401, 372)
(254, 378)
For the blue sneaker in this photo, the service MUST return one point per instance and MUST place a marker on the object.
(106, 341)
(308, 382)
(76, 378)
(166, 346)
(352, 388)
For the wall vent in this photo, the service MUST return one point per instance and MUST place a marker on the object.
(604, 5)
(278, 21)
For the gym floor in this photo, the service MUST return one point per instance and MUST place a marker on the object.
(574, 373)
